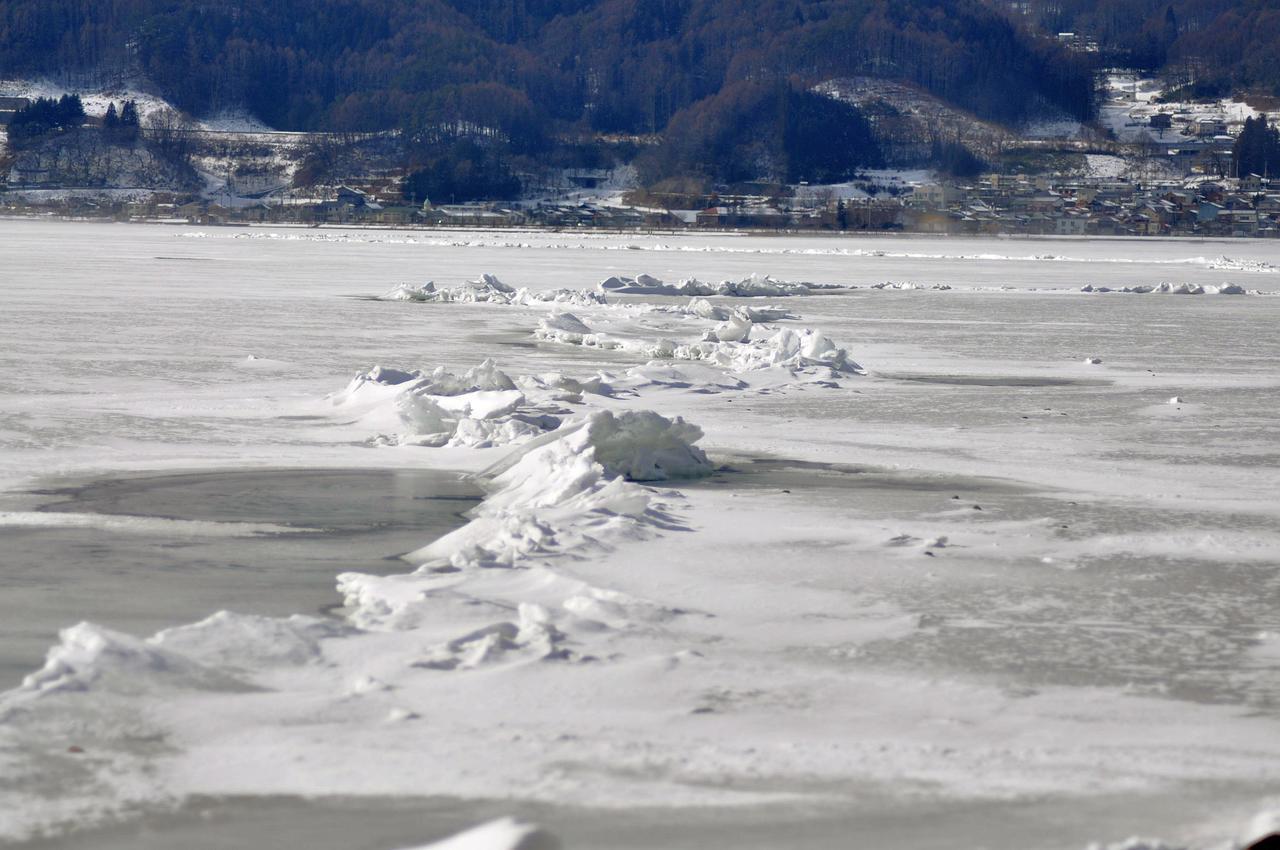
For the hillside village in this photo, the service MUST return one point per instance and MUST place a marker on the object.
(1146, 168)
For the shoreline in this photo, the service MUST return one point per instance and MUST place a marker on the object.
(646, 232)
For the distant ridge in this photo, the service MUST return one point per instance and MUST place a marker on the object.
(534, 66)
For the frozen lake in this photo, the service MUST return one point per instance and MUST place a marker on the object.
(986, 584)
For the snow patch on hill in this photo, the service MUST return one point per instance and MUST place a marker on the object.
(97, 99)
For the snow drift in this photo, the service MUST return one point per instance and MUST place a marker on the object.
(753, 286)
(501, 834)
(568, 491)
(488, 289)
(480, 408)
(729, 345)
(1174, 289)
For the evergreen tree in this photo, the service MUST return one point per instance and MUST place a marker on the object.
(112, 119)
(45, 115)
(1257, 149)
(70, 111)
(129, 124)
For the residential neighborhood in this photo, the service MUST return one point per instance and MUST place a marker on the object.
(991, 204)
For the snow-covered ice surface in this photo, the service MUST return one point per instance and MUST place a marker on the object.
(987, 585)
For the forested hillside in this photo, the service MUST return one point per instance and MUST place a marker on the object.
(1222, 43)
(607, 65)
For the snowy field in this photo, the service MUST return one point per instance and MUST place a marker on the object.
(933, 542)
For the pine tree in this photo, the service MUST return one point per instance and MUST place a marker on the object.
(1257, 149)
(112, 119)
(45, 115)
(129, 124)
(70, 111)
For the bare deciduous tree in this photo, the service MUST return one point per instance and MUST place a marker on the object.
(171, 134)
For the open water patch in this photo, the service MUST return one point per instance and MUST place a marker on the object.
(146, 552)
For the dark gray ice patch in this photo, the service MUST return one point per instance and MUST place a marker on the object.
(1165, 626)
(770, 473)
(994, 380)
(154, 577)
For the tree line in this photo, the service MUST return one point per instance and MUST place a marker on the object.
(45, 115)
